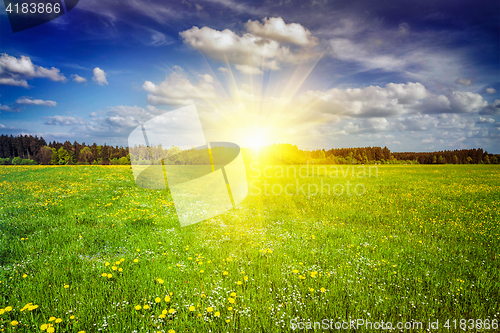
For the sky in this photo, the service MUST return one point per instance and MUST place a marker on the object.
(410, 75)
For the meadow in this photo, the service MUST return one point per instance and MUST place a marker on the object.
(83, 249)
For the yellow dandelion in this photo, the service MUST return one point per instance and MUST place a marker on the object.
(295, 271)
(210, 309)
(114, 268)
(160, 281)
(225, 273)
(157, 299)
(171, 331)
(8, 308)
(25, 276)
(217, 314)
(245, 278)
(136, 260)
(192, 308)
(14, 323)
(171, 310)
(233, 294)
(230, 308)
(72, 317)
(120, 269)
(106, 264)
(323, 289)
(43, 327)
(228, 320)
(145, 307)
(138, 307)
(58, 320)
(167, 298)
(239, 283)
(110, 276)
(231, 300)
(66, 286)
(161, 316)
(52, 318)
(50, 329)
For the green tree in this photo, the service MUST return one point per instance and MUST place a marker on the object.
(63, 156)
(17, 160)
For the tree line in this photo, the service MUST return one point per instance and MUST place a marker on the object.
(30, 150)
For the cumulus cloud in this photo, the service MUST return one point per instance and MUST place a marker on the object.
(485, 120)
(491, 90)
(223, 69)
(5, 108)
(29, 101)
(491, 109)
(178, 90)
(391, 100)
(464, 82)
(99, 76)
(276, 29)
(261, 45)
(64, 121)
(248, 69)
(15, 71)
(77, 78)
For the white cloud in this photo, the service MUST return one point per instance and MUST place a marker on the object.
(2, 126)
(372, 101)
(491, 109)
(464, 82)
(14, 82)
(5, 108)
(491, 90)
(223, 69)
(78, 78)
(248, 69)
(394, 99)
(29, 101)
(14, 71)
(99, 76)
(483, 120)
(249, 48)
(64, 121)
(93, 114)
(276, 29)
(178, 90)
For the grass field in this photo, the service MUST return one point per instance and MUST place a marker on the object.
(83, 249)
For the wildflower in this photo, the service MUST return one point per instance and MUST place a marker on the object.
(72, 317)
(117, 263)
(311, 289)
(228, 320)
(157, 299)
(25, 276)
(323, 289)
(171, 310)
(217, 314)
(231, 300)
(2, 311)
(233, 294)
(58, 320)
(161, 316)
(160, 281)
(210, 309)
(171, 331)
(43, 327)
(239, 283)
(164, 312)
(104, 274)
(230, 308)
(136, 260)
(138, 307)
(66, 286)
(138, 250)
(167, 298)
(110, 276)
(202, 271)
(192, 308)
(120, 269)
(14, 322)
(245, 278)
(8, 308)
(106, 264)
(50, 329)
(114, 268)
(52, 318)
(81, 331)
(295, 271)
(145, 307)
(225, 273)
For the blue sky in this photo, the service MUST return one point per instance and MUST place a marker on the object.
(412, 76)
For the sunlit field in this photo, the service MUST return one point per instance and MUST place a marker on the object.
(82, 248)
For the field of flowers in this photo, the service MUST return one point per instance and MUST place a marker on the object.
(83, 249)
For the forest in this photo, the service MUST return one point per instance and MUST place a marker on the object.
(33, 150)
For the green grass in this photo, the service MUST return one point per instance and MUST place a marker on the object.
(421, 244)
